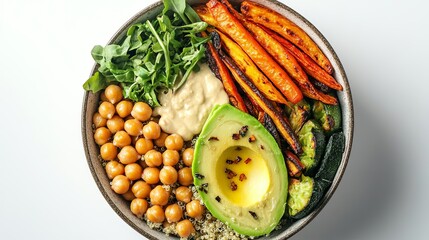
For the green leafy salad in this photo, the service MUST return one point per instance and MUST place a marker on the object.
(155, 55)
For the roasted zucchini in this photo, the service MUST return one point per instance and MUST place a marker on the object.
(299, 114)
(329, 116)
(312, 140)
(332, 157)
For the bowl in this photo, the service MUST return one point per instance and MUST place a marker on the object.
(121, 207)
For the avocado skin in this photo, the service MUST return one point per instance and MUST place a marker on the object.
(271, 208)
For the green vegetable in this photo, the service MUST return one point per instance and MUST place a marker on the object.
(332, 158)
(299, 114)
(304, 196)
(155, 55)
(329, 116)
(312, 140)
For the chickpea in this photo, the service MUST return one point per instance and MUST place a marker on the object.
(153, 158)
(170, 157)
(159, 196)
(106, 110)
(113, 93)
(129, 195)
(151, 175)
(173, 213)
(194, 209)
(102, 135)
(128, 154)
(114, 168)
(138, 206)
(120, 184)
(143, 145)
(185, 176)
(141, 111)
(141, 189)
(184, 194)
(160, 142)
(174, 142)
(98, 120)
(108, 151)
(121, 139)
(155, 214)
(133, 171)
(184, 228)
(188, 156)
(151, 130)
(123, 108)
(168, 175)
(133, 127)
(115, 124)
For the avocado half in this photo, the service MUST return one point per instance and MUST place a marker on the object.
(239, 171)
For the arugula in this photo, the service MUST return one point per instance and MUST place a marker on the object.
(155, 55)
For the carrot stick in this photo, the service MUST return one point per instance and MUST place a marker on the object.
(287, 29)
(230, 25)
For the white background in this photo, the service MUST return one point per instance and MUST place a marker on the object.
(47, 191)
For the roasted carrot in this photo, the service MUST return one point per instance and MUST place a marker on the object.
(222, 72)
(205, 15)
(267, 106)
(247, 66)
(287, 29)
(230, 25)
(307, 63)
(293, 164)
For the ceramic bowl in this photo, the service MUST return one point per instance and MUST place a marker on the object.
(121, 207)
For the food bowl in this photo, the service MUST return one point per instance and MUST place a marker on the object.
(121, 206)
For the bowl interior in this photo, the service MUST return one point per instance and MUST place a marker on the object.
(121, 207)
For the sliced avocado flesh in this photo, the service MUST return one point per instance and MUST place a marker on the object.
(240, 172)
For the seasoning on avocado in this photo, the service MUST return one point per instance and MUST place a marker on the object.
(229, 161)
(238, 149)
(243, 130)
(237, 159)
(253, 215)
(262, 147)
(235, 136)
(213, 139)
(199, 176)
(217, 198)
(242, 177)
(233, 186)
(252, 138)
(247, 161)
(229, 173)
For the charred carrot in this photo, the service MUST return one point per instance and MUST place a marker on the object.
(205, 15)
(307, 63)
(293, 164)
(222, 72)
(267, 106)
(230, 25)
(247, 66)
(287, 29)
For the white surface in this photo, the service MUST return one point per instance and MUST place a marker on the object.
(47, 191)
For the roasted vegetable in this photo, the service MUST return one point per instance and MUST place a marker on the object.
(287, 29)
(329, 116)
(293, 164)
(230, 25)
(332, 158)
(271, 127)
(247, 66)
(307, 63)
(299, 114)
(304, 195)
(312, 140)
(267, 106)
(222, 72)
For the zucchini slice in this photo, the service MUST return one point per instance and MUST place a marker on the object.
(299, 114)
(329, 116)
(332, 158)
(304, 196)
(312, 140)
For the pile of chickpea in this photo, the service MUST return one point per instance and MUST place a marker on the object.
(143, 162)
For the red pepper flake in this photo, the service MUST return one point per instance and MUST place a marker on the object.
(217, 198)
(243, 130)
(252, 138)
(229, 161)
(238, 149)
(262, 147)
(247, 161)
(237, 159)
(229, 173)
(235, 136)
(242, 177)
(213, 139)
(233, 186)
(253, 215)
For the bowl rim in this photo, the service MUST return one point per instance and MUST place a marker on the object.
(346, 103)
